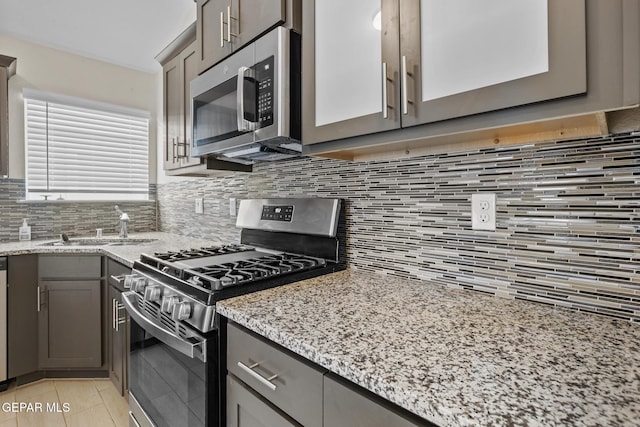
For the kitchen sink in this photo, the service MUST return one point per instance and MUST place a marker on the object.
(99, 242)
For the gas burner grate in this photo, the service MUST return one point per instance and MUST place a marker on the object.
(216, 277)
(188, 254)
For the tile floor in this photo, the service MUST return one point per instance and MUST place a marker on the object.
(90, 402)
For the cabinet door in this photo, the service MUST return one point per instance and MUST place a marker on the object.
(189, 65)
(4, 122)
(22, 321)
(211, 32)
(251, 18)
(467, 57)
(345, 407)
(172, 100)
(117, 340)
(245, 409)
(69, 330)
(347, 46)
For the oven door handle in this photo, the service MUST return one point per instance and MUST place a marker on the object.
(244, 125)
(194, 351)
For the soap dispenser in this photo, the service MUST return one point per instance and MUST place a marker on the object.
(25, 231)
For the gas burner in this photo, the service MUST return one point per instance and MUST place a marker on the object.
(219, 276)
(201, 252)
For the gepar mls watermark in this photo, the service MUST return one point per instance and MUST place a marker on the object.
(37, 407)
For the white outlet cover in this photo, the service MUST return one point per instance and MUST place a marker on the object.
(232, 207)
(199, 205)
(483, 211)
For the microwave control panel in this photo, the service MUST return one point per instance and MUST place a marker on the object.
(277, 213)
(264, 77)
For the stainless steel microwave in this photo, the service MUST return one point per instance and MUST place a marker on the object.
(247, 107)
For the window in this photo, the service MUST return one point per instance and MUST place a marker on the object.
(81, 149)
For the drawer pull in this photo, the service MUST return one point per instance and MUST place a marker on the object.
(265, 381)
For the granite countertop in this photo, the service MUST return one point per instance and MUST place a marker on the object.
(125, 254)
(455, 358)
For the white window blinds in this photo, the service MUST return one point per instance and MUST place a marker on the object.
(85, 150)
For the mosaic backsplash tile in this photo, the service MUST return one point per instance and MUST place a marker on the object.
(568, 217)
(49, 220)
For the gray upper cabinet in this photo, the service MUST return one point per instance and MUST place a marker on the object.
(224, 26)
(436, 70)
(7, 69)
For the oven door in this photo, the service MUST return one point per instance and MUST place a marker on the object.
(172, 376)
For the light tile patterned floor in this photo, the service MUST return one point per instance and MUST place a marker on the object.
(91, 402)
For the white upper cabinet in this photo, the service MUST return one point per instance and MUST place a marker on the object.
(426, 72)
(351, 39)
(465, 57)
(350, 64)
(372, 66)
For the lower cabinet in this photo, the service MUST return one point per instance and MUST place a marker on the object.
(69, 311)
(22, 315)
(117, 331)
(69, 327)
(269, 386)
(247, 409)
(345, 406)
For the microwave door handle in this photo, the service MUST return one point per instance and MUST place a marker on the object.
(244, 125)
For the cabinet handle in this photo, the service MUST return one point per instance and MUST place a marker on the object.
(222, 29)
(38, 298)
(174, 145)
(229, 33)
(113, 313)
(405, 98)
(265, 381)
(385, 112)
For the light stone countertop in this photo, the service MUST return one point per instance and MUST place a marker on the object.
(455, 358)
(125, 254)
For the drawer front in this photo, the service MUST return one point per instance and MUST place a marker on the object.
(116, 273)
(69, 266)
(290, 384)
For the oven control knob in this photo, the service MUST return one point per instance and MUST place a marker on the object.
(168, 303)
(140, 284)
(181, 311)
(129, 280)
(152, 293)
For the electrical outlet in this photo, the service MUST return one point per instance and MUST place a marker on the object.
(483, 211)
(199, 205)
(232, 207)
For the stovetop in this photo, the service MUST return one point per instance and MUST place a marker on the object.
(209, 273)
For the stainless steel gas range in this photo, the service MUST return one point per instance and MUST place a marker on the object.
(177, 354)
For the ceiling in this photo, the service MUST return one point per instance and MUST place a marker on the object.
(129, 33)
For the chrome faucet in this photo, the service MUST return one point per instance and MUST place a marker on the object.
(124, 221)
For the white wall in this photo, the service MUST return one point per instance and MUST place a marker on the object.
(56, 71)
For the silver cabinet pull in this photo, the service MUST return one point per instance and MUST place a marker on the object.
(222, 29)
(405, 98)
(385, 104)
(38, 298)
(113, 313)
(229, 33)
(265, 381)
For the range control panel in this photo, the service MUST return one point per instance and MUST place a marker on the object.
(277, 213)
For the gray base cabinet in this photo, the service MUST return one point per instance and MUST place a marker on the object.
(246, 409)
(69, 324)
(22, 315)
(118, 331)
(346, 407)
(268, 386)
(69, 311)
